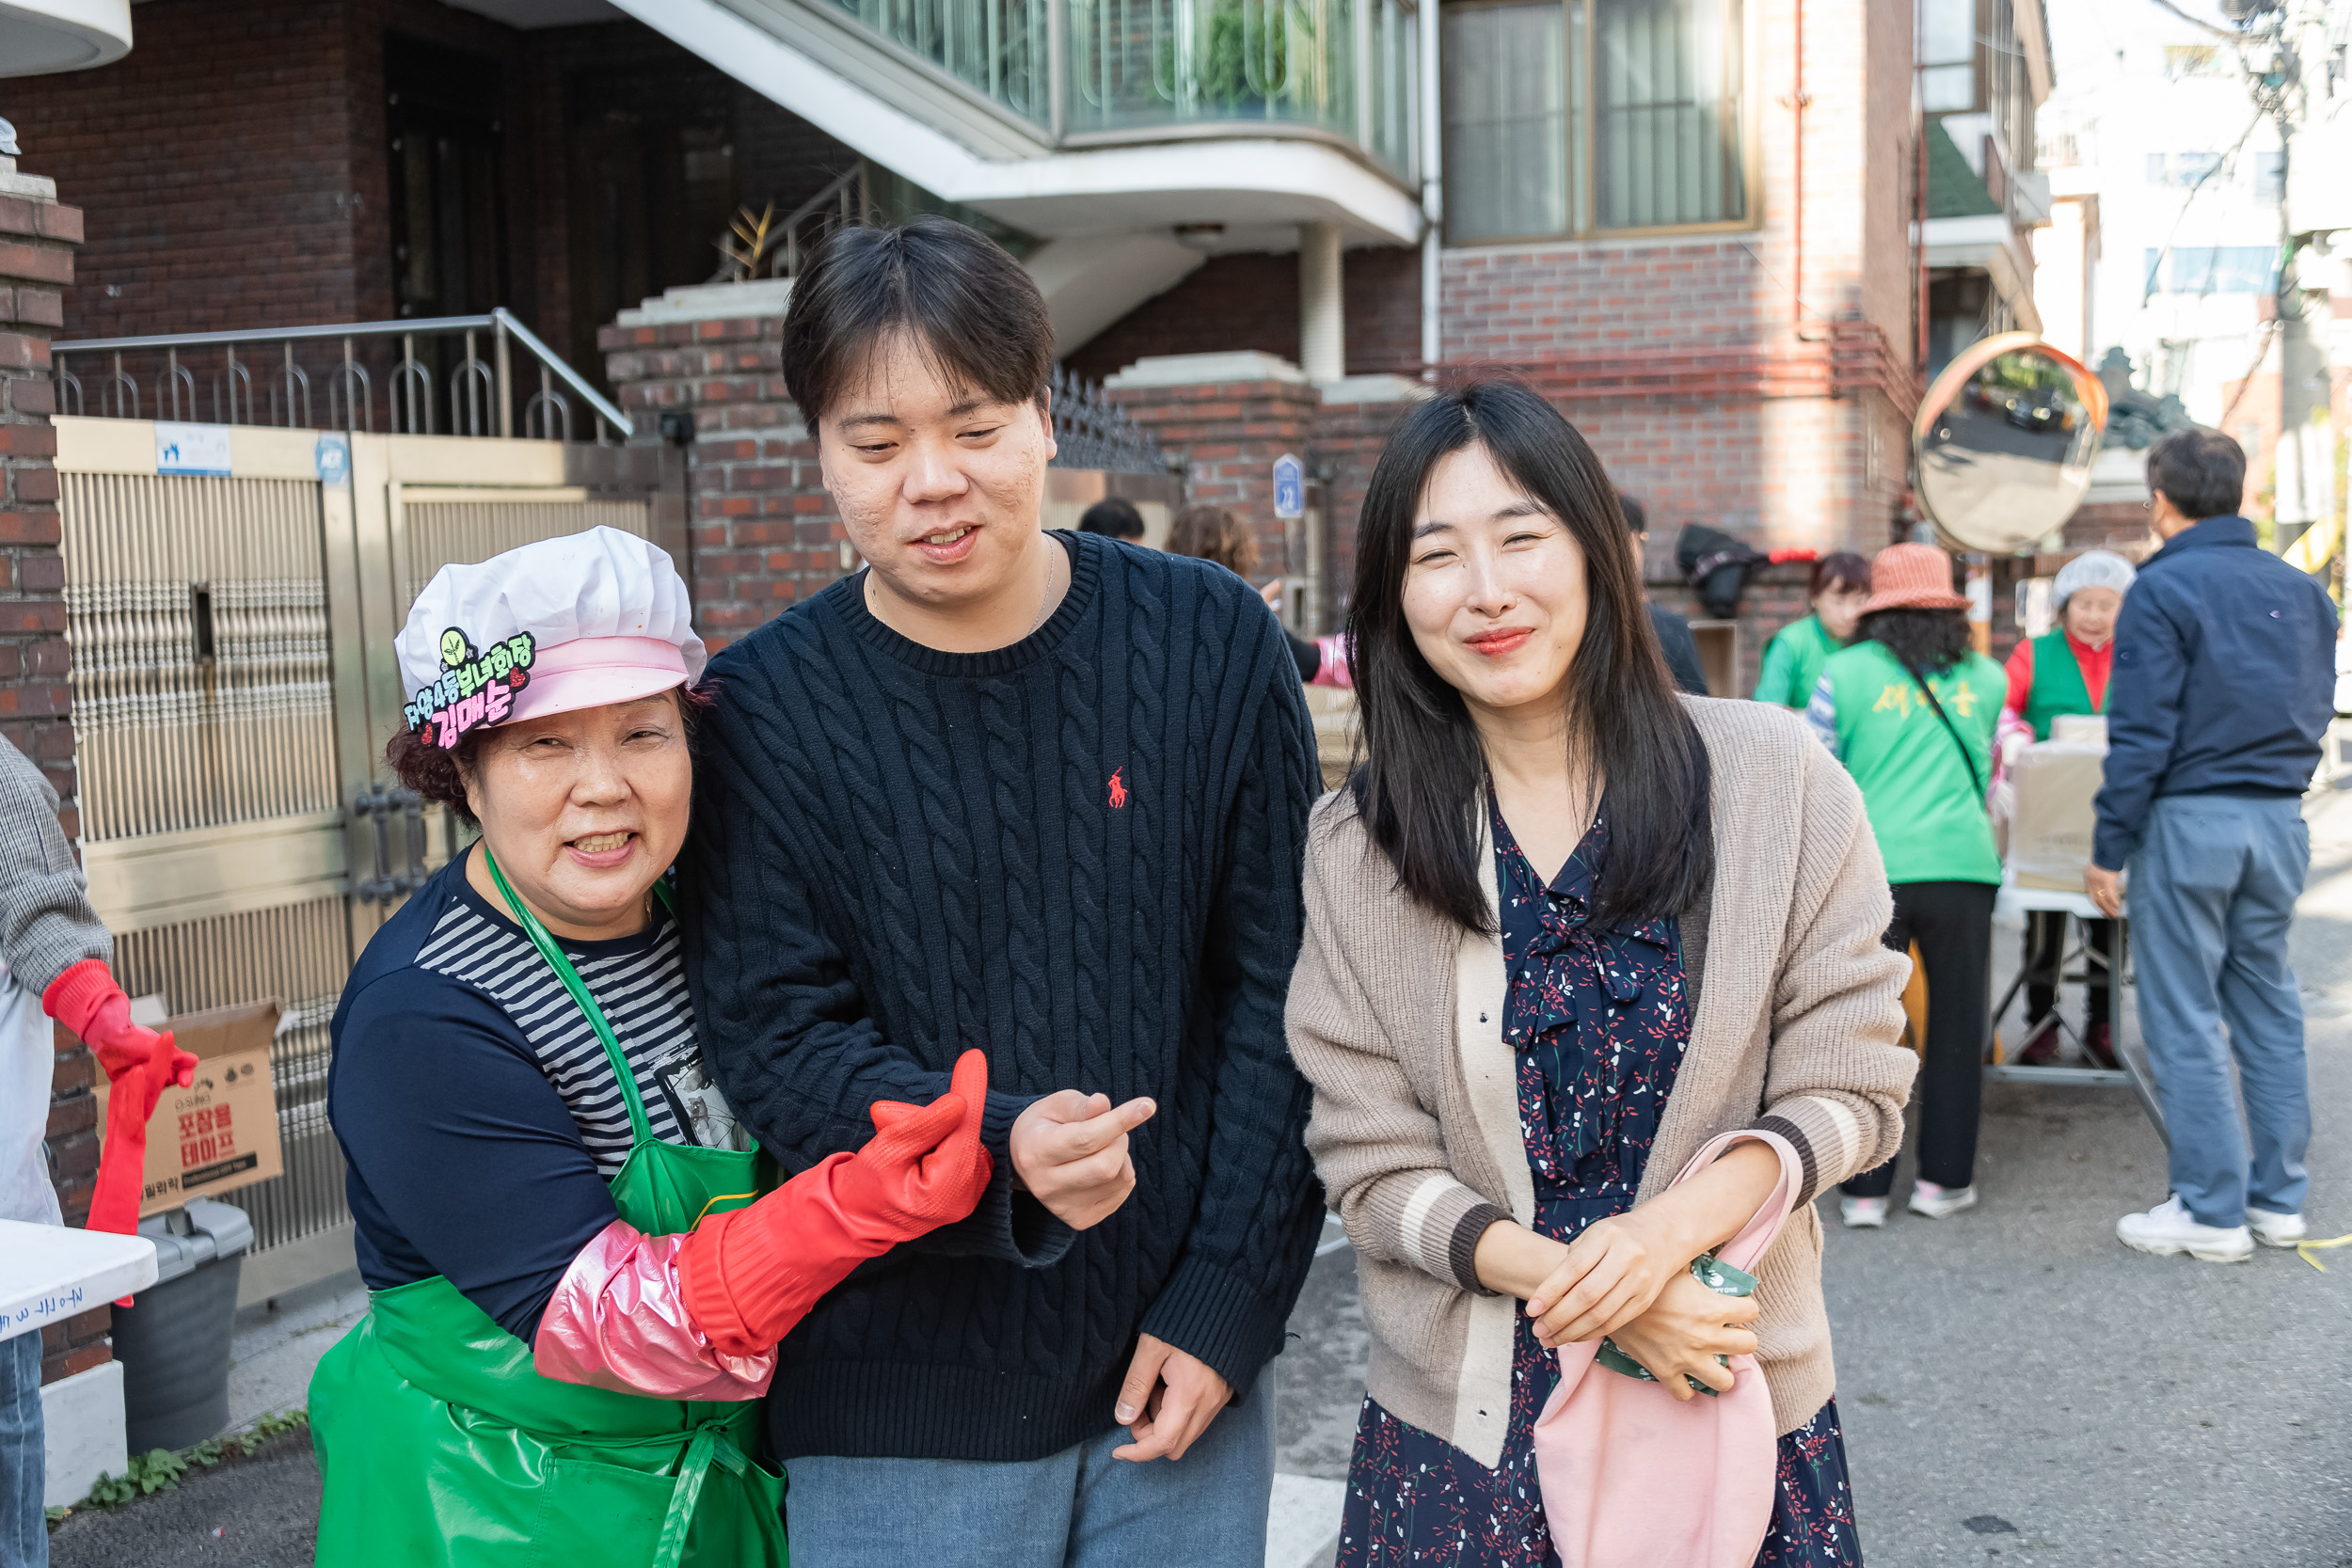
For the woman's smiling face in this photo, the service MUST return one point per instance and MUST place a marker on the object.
(585, 809)
(1494, 592)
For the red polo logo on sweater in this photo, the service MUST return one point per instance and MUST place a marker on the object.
(1118, 790)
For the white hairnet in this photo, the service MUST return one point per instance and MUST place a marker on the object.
(2091, 569)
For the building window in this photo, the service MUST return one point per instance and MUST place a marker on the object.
(1593, 117)
(2270, 177)
(1946, 44)
(2213, 269)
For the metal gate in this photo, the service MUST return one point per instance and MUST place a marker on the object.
(233, 686)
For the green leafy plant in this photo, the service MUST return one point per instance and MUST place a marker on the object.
(160, 1469)
(1242, 39)
(752, 238)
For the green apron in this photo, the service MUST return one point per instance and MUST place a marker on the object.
(438, 1442)
(2058, 686)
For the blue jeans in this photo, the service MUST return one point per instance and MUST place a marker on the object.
(1076, 1509)
(24, 1532)
(2213, 892)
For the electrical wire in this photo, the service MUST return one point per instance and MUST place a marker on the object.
(2164, 251)
(2200, 22)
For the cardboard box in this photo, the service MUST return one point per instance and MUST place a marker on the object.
(2080, 729)
(2049, 836)
(221, 1132)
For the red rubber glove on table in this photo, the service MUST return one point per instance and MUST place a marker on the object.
(139, 1063)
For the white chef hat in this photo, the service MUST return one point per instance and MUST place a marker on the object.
(2091, 569)
(578, 621)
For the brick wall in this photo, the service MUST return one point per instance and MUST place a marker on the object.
(1348, 443)
(37, 242)
(763, 531)
(1230, 433)
(215, 161)
(1685, 360)
(1250, 301)
(235, 166)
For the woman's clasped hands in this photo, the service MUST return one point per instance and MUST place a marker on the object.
(1629, 1278)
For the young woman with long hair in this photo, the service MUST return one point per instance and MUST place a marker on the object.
(1510, 912)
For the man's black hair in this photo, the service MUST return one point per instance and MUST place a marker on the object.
(1636, 520)
(2203, 471)
(1114, 515)
(966, 304)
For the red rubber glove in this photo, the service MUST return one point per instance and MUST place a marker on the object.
(139, 1063)
(86, 999)
(749, 1274)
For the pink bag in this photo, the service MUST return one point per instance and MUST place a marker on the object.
(1633, 1477)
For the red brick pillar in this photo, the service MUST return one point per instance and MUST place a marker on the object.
(763, 531)
(37, 241)
(1358, 415)
(1230, 416)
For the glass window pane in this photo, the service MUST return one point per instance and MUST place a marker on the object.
(1947, 31)
(1506, 122)
(1666, 113)
(1949, 88)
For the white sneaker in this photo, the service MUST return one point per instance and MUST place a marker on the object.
(1936, 1202)
(2276, 1230)
(1861, 1213)
(2168, 1229)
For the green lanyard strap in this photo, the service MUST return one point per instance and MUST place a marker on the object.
(641, 1130)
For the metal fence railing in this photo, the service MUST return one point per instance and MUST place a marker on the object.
(1092, 432)
(442, 375)
(1111, 71)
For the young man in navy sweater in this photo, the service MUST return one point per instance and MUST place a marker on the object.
(1044, 793)
(2224, 681)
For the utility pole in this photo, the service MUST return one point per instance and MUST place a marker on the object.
(2283, 41)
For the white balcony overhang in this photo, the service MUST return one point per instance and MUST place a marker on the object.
(38, 37)
(1987, 244)
(951, 143)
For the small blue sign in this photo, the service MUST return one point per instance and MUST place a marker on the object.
(190, 449)
(334, 459)
(1290, 487)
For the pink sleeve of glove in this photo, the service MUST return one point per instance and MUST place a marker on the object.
(1333, 670)
(618, 1320)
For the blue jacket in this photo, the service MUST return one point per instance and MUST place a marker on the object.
(2224, 680)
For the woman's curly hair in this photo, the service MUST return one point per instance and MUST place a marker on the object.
(1214, 533)
(438, 776)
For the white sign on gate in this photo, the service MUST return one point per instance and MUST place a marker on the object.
(1290, 487)
(192, 449)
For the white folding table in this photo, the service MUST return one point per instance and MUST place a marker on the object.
(49, 1272)
(2075, 944)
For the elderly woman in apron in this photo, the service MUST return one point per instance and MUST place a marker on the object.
(2061, 673)
(578, 1266)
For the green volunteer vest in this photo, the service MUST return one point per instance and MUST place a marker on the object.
(2058, 687)
(1927, 811)
(1792, 663)
(440, 1446)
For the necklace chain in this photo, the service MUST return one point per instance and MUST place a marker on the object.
(1045, 598)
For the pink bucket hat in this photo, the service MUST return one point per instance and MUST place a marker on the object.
(579, 622)
(1912, 577)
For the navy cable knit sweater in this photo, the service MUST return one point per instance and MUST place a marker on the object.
(1081, 854)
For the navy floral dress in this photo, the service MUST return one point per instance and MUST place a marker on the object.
(1599, 1021)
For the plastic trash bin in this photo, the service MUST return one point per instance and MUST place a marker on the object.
(173, 1342)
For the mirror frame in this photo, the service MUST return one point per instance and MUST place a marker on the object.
(1954, 377)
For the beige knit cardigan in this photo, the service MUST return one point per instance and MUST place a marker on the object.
(1395, 1016)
